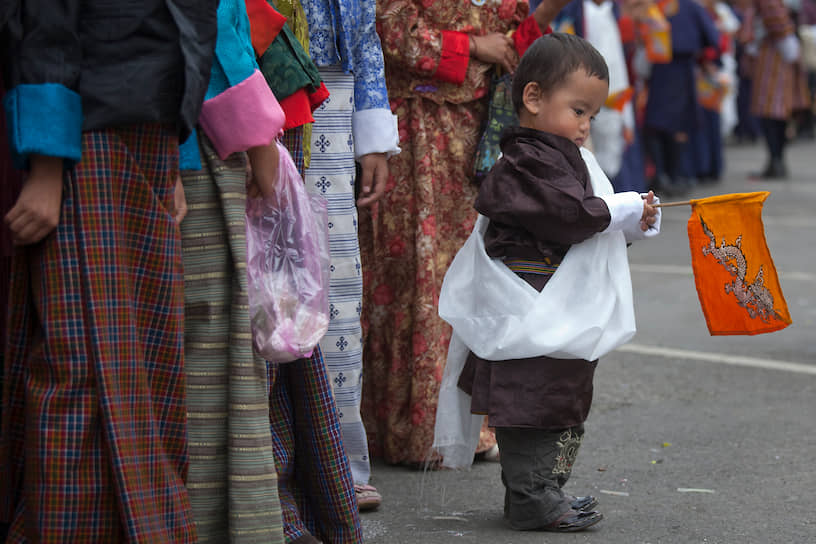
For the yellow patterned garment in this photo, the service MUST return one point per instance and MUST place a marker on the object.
(296, 19)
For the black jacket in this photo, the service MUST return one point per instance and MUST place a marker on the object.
(131, 61)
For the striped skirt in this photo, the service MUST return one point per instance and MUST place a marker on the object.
(93, 444)
(331, 174)
(233, 479)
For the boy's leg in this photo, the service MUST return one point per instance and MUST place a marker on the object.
(533, 463)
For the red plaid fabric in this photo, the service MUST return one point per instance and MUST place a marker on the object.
(93, 445)
(314, 476)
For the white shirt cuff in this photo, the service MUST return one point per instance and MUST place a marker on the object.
(626, 210)
(375, 131)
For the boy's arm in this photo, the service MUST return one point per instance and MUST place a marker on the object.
(544, 199)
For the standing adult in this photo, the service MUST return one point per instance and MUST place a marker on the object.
(671, 107)
(779, 84)
(438, 58)
(233, 475)
(93, 446)
(615, 141)
(354, 124)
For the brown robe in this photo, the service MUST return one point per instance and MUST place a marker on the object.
(539, 202)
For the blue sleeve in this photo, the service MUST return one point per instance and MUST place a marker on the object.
(189, 154)
(45, 119)
(43, 108)
(234, 57)
(368, 66)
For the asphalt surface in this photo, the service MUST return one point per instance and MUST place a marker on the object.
(692, 438)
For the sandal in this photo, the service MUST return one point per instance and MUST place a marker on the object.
(367, 497)
(491, 455)
(573, 520)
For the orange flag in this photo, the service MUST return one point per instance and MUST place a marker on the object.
(733, 270)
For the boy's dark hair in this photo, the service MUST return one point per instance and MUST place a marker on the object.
(553, 57)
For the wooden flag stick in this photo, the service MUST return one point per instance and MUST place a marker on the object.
(672, 204)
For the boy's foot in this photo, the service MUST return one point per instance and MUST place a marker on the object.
(573, 520)
(583, 504)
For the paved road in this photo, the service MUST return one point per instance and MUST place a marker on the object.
(692, 438)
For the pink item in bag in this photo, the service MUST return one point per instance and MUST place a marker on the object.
(287, 267)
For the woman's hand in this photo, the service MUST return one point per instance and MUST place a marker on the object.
(179, 201)
(494, 48)
(263, 161)
(37, 210)
(374, 167)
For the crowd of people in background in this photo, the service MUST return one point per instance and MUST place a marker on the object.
(134, 408)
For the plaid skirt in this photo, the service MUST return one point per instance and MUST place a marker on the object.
(314, 477)
(93, 443)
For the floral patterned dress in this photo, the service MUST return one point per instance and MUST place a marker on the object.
(410, 238)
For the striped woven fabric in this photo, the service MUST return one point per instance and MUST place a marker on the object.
(93, 442)
(315, 483)
(531, 267)
(778, 88)
(233, 478)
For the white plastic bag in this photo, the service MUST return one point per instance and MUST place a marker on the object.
(287, 267)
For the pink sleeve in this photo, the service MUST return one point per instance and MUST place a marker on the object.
(245, 115)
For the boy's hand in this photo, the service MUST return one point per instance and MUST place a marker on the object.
(374, 176)
(37, 210)
(263, 161)
(649, 212)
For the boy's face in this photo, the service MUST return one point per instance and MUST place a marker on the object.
(567, 110)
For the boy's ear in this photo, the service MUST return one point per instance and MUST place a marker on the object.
(531, 97)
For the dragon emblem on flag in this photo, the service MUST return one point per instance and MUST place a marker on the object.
(753, 296)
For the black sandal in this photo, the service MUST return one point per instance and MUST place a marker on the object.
(573, 520)
(583, 504)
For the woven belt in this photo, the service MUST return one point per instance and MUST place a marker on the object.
(531, 267)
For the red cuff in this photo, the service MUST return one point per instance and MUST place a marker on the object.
(526, 33)
(297, 108)
(455, 57)
(319, 96)
(265, 23)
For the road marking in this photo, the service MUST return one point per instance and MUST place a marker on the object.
(720, 358)
(686, 271)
